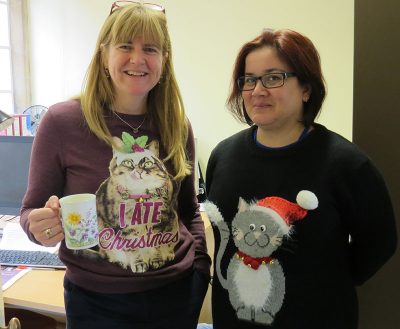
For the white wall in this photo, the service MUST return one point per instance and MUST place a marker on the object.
(206, 36)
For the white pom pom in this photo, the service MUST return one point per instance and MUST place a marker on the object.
(307, 200)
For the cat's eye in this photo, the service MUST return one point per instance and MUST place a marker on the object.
(252, 227)
(128, 164)
(148, 164)
(263, 228)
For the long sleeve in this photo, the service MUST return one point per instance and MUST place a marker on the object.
(210, 170)
(372, 223)
(46, 176)
(189, 212)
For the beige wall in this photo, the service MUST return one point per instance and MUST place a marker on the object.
(206, 36)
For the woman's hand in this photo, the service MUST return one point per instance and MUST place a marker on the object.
(45, 223)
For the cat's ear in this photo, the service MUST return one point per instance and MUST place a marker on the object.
(154, 147)
(243, 205)
(118, 144)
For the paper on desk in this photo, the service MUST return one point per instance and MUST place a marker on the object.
(10, 274)
(5, 219)
(14, 238)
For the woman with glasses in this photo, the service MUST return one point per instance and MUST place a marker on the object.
(301, 216)
(126, 139)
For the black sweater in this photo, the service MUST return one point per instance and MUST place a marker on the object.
(321, 267)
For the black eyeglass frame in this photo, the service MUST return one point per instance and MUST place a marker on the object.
(153, 6)
(284, 75)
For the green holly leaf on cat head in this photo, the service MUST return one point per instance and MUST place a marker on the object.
(131, 145)
(141, 141)
(128, 139)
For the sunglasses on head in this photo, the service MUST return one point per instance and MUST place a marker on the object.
(119, 4)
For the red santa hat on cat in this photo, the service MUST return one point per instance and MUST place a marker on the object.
(284, 212)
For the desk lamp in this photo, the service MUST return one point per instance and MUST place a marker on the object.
(5, 121)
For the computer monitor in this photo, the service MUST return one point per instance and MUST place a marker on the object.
(15, 153)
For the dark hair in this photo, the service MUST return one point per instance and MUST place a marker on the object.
(297, 51)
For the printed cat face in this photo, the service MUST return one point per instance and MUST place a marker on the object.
(139, 170)
(255, 233)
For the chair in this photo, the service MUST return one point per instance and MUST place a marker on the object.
(13, 324)
(28, 319)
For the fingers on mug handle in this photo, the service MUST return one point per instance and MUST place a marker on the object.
(53, 203)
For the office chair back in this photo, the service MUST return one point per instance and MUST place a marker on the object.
(29, 319)
(13, 324)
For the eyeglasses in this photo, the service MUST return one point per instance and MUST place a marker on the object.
(269, 80)
(119, 4)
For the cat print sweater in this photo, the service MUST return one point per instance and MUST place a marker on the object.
(150, 229)
(296, 229)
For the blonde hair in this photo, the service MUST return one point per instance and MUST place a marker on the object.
(164, 103)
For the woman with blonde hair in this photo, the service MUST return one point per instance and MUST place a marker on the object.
(126, 139)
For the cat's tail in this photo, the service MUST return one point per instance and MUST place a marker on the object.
(217, 220)
(213, 212)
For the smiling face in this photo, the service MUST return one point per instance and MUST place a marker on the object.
(277, 108)
(135, 68)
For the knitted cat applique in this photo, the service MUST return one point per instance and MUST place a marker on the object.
(256, 281)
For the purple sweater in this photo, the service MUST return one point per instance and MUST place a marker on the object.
(68, 159)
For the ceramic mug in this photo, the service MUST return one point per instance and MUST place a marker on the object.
(79, 219)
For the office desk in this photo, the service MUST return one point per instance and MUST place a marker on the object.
(42, 290)
(39, 291)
